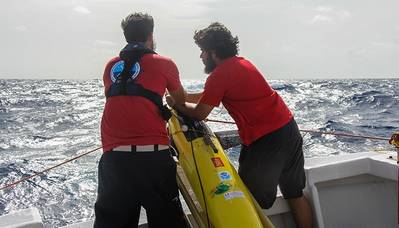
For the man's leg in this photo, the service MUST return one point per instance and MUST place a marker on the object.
(160, 196)
(293, 179)
(302, 212)
(115, 205)
(260, 168)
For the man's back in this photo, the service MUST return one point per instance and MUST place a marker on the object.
(254, 105)
(134, 120)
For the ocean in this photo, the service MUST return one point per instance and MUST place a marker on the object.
(45, 122)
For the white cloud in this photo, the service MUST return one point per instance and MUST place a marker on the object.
(327, 14)
(329, 33)
(324, 9)
(104, 43)
(82, 10)
(187, 10)
(382, 44)
(288, 48)
(357, 52)
(321, 18)
(343, 14)
(104, 46)
(21, 28)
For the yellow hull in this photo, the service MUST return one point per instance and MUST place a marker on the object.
(215, 182)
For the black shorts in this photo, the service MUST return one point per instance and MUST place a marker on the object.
(129, 180)
(274, 159)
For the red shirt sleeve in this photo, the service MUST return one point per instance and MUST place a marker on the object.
(172, 77)
(106, 76)
(215, 89)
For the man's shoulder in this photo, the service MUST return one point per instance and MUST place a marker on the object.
(237, 64)
(153, 57)
(112, 61)
(159, 58)
(231, 68)
(237, 61)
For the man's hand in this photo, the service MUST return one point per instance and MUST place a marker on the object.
(178, 96)
(170, 101)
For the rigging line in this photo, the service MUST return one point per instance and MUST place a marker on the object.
(219, 121)
(346, 134)
(319, 132)
(195, 131)
(46, 170)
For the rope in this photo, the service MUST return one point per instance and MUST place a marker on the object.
(60, 164)
(219, 121)
(46, 170)
(394, 141)
(346, 135)
(319, 132)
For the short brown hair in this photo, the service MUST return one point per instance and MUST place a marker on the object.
(137, 27)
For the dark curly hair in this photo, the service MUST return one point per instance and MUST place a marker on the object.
(216, 37)
(137, 27)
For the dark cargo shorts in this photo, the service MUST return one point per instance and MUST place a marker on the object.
(128, 181)
(274, 159)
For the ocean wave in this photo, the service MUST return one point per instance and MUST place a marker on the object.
(283, 86)
(45, 122)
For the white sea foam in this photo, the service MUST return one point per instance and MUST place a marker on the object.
(46, 122)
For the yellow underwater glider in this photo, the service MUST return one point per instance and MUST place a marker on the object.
(224, 200)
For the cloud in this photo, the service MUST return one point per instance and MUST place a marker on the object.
(82, 10)
(327, 14)
(321, 18)
(357, 52)
(21, 28)
(343, 14)
(104, 43)
(188, 10)
(104, 46)
(288, 48)
(323, 9)
(384, 44)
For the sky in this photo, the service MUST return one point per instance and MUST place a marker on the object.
(285, 39)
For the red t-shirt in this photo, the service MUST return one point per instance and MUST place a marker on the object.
(255, 107)
(134, 120)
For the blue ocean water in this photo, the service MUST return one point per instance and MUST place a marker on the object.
(44, 122)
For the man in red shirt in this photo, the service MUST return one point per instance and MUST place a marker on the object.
(271, 154)
(136, 168)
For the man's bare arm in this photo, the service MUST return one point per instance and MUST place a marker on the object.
(193, 97)
(198, 111)
(179, 95)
